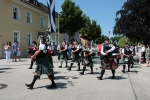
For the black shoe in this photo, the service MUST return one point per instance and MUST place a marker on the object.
(29, 85)
(113, 77)
(128, 70)
(78, 70)
(29, 68)
(81, 73)
(123, 71)
(92, 72)
(100, 78)
(59, 66)
(66, 67)
(69, 69)
(52, 86)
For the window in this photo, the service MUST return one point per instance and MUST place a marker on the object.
(29, 38)
(16, 13)
(35, 2)
(16, 36)
(42, 22)
(29, 17)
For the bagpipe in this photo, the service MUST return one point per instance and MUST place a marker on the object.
(32, 50)
(73, 48)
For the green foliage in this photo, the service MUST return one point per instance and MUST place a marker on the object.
(101, 39)
(122, 41)
(71, 18)
(133, 20)
(91, 31)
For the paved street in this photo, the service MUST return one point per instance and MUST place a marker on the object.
(134, 85)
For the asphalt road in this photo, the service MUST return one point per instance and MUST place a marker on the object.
(134, 85)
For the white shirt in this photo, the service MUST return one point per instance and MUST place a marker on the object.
(143, 49)
(58, 47)
(112, 49)
(42, 46)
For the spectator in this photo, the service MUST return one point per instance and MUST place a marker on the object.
(14, 47)
(143, 59)
(8, 49)
(18, 51)
(58, 51)
(148, 56)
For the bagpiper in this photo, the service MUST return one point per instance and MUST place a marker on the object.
(63, 53)
(88, 53)
(107, 59)
(75, 55)
(44, 64)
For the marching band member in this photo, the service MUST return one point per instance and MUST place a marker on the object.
(82, 54)
(108, 60)
(127, 52)
(45, 64)
(75, 55)
(63, 53)
(31, 51)
(87, 59)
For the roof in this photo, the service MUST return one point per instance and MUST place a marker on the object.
(39, 6)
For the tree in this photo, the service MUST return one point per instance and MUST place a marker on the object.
(71, 18)
(101, 39)
(91, 31)
(133, 20)
(122, 41)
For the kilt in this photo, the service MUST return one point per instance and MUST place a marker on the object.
(45, 65)
(88, 62)
(64, 56)
(109, 63)
(127, 60)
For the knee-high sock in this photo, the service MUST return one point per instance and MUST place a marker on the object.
(102, 72)
(84, 68)
(34, 79)
(78, 66)
(31, 64)
(66, 62)
(52, 79)
(124, 67)
(128, 67)
(61, 62)
(113, 72)
(91, 69)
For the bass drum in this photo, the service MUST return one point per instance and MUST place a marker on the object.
(99, 47)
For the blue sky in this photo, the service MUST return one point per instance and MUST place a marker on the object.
(103, 11)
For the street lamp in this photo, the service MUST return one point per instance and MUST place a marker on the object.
(58, 27)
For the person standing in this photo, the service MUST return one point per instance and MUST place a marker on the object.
(14, 47)
(58, 51)
(148, 55)
(8, 49)
(107, 59)
(143, 59)
(18, 51)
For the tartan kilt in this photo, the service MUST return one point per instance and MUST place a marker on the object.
(64, 56)
(127, 62)
(88, 62)
(108, 66)
(45, 65)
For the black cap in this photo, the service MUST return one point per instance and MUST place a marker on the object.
(106, 39)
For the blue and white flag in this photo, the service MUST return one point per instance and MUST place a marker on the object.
(51, 9)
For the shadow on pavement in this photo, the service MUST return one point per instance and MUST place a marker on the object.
(117, 78)
(3, 70)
